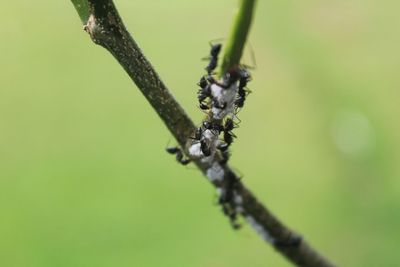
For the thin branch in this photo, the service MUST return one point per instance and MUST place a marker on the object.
(106, 28)
(238, 37)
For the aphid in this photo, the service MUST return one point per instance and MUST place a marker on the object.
(215, 49)
(179, 155)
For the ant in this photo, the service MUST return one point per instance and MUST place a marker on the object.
(204, 92)
(204, 147)
(214, 52)
(179, 155)
(244, 78)
(228, 135)
(213, 126)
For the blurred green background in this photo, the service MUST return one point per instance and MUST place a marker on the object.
(85, 181)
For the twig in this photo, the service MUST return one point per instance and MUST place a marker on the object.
(106, 28)
(238, 37)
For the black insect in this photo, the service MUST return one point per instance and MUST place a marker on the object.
(223, 148)
(215, 49)
(204, 106)
(203, 82)
(213, 126)
(244, 78)
(228, 135)
(239, 102)
(205, 148)
(179, 155)
(204, 92)
(242, 93)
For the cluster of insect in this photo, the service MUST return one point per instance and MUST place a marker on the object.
(221, 99)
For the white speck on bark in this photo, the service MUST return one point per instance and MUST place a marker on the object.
(90, 24)
(215, 173)
(225, 100)
(195, 150)
(260, 229)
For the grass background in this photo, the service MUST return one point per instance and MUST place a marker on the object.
(85, 181)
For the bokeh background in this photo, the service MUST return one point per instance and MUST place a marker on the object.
(85, 181)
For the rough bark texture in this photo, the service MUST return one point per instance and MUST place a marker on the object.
(106, 28)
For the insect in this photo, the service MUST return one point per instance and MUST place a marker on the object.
(203, 93)
(223, 148)
(214, 52)
(205, 148)
(244, 78)
(213, 126)
(228, 135)
(179, 155)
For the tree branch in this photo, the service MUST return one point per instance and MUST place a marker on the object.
(106, 28)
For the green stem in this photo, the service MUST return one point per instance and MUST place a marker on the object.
(82, 7)
(238, 37)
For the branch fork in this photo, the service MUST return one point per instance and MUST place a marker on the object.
(105, 27)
